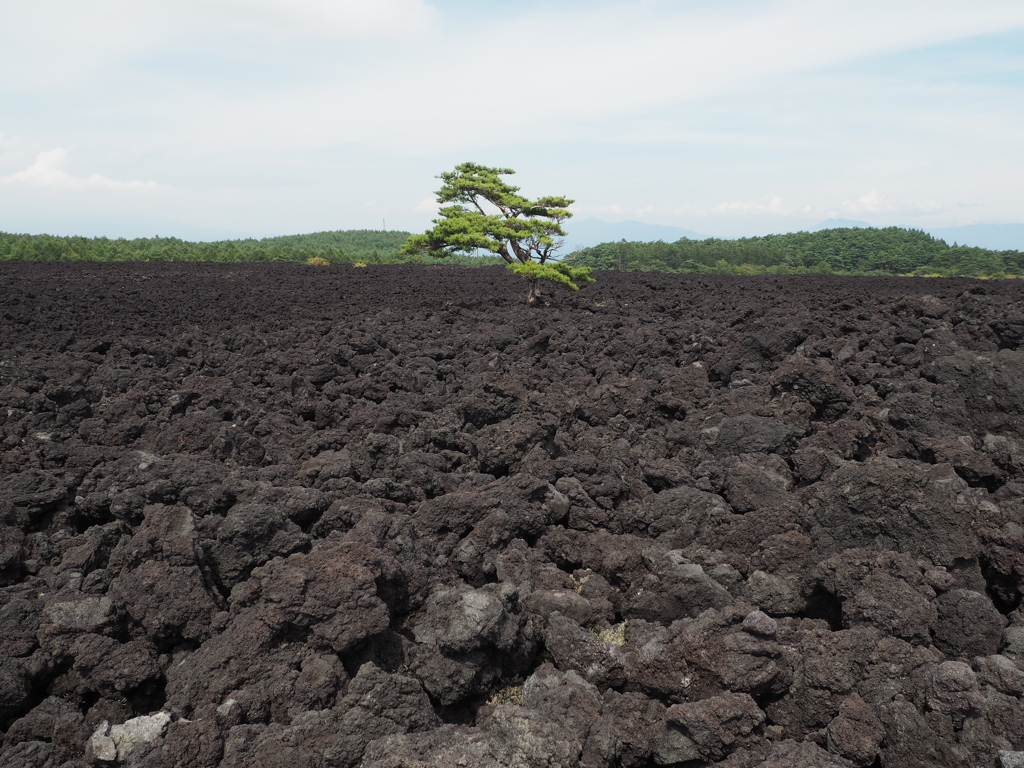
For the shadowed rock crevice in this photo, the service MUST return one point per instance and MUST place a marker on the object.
(1001, 588)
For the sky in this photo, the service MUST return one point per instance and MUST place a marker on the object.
(228, 118)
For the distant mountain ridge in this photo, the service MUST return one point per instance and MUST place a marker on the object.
(841, 224)
(583, 233)
(996, 237)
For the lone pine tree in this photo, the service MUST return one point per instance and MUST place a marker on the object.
(487, 213)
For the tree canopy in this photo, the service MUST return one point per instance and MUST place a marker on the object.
(487, 213)
(337, 247)
(862, 251)
(855, 251)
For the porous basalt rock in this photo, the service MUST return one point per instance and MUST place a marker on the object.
(256, 516)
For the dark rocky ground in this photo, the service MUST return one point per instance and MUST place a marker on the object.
(286, 516)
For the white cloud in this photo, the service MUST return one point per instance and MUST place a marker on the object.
(335, 18)
(873, 202)
(662, 57)
(868, 204)
(769, 204)
(8, 153)
(54, 43)
(298, 102)
(427, 205)
(47, 172)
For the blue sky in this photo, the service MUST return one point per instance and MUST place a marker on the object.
(239, 117)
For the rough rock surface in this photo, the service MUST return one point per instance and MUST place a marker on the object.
(285, 516)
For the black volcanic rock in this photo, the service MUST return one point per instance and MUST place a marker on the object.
(276, 515)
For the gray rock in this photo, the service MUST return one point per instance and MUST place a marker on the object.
(749, 434)
(677, 588)
(1001, 673)
(968, 624)
(761, 624)
(674, 746)
(172, 602)
(466, 639)
(683, 514)
(250, 536)
(510, 736)
(953, 689)
(104, 748)
(892, 606)
(34, 754)
(774, 594)
(897, 504)
(755, 482)
(545, 602)
(799, 754)
(855, 733)
(85, 613)
(119, 742)
(718, 725)
(1013, 643)
(573, 648)
(463, 620)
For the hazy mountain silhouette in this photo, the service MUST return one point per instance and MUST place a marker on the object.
(997, 237)
(588, 232)
(841, 224)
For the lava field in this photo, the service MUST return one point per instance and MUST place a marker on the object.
(278, 516)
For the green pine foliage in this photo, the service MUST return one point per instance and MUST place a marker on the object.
(556, 272)
(488, 213)
(860, 251)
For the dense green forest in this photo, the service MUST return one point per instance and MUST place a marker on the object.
(840, 251)
(889, 251)
(344, 247)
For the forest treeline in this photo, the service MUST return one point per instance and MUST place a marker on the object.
(359, 246)
(860, 251)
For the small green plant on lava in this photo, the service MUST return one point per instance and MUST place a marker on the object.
(614, 635)
(488, 213)
(511, 693)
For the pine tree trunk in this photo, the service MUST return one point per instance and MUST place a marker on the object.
(534, 295)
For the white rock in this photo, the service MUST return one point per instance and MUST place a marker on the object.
(131, 734)
(103, 747)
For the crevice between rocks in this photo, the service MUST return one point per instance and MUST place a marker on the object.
(1000, 587)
